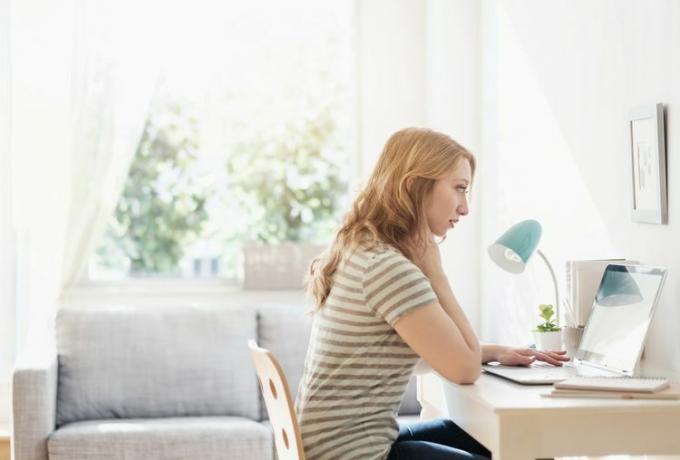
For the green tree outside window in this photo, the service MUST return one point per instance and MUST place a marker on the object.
(162, 207)
(289, 180)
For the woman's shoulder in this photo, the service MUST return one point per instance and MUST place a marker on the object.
(377, 255)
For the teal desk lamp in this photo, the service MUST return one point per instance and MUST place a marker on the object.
(514, 248)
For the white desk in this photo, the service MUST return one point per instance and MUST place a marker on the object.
(515, 423)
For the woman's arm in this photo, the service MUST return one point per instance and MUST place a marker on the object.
(440, 332)
(511, 356)
(460, 353)
(448, 301)
(490, 353)
(436, 338)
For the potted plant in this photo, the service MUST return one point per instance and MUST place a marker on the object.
(547, 334)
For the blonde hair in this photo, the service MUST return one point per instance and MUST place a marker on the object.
(390, 208)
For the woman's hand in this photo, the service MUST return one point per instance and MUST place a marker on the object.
(524, 356)
(427, 257)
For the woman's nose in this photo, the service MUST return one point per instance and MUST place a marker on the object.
(463, 208)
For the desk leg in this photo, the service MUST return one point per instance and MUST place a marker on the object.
(511, 449)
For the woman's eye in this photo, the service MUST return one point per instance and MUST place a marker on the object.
(462, 188)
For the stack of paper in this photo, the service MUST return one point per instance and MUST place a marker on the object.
(615, 387)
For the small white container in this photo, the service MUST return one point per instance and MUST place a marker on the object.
(571, 338)
(548, 341)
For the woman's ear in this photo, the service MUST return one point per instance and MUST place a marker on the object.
(409, 183)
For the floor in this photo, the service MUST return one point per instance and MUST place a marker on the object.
(4, 443)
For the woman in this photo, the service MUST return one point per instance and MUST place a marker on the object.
(383, 301)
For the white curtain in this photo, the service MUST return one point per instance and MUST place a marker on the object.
(115, 72)
(83, 75)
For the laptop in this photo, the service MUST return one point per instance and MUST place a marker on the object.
(614, 335)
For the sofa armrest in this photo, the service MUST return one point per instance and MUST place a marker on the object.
(34, 405)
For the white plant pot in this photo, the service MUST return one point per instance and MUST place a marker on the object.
(549, 341)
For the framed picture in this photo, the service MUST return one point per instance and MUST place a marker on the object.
(648, 161)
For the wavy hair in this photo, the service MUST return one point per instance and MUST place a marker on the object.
(390, 208)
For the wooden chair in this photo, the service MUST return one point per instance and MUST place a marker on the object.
(277, 399)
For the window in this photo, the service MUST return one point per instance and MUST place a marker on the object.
(247, 140)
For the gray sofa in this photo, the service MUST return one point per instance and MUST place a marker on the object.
(157, 383)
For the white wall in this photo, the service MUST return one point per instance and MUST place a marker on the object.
(417, 66)
(6, 239)
(35, 62)
(41, 79)
(452, 106)
(390, 72)
(558, 80)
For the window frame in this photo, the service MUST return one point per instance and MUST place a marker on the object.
(218, 287)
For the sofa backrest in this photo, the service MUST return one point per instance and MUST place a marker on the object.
(285, 331)
(127, 362)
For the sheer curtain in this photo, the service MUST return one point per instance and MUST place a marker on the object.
(80, 96)
(115, 72)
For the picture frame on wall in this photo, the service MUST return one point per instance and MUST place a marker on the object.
(648, 164)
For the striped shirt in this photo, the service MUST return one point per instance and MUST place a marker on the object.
(357, 366)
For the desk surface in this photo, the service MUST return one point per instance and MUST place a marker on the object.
(515, 422)
(502, 395)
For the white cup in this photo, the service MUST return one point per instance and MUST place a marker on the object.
(571, 338)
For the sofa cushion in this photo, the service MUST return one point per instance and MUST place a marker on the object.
(285, 331)
(204, 438)
(402, 420)
(125, 362)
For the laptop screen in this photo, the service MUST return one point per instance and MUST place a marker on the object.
(622, 310)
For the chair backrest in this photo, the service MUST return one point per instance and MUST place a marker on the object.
(279, 403)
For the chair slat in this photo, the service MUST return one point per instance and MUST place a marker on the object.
(276, 395)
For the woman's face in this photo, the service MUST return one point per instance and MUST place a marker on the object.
(448, 199)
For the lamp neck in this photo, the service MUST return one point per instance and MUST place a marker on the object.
(557, 293)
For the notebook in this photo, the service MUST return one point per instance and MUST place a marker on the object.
(668, 393)
(634, 384)
(614, 334)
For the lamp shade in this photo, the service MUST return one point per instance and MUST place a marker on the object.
(514, 248)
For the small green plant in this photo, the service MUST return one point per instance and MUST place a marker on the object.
(548, 324)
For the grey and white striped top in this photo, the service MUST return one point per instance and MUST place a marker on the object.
(357, 366)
